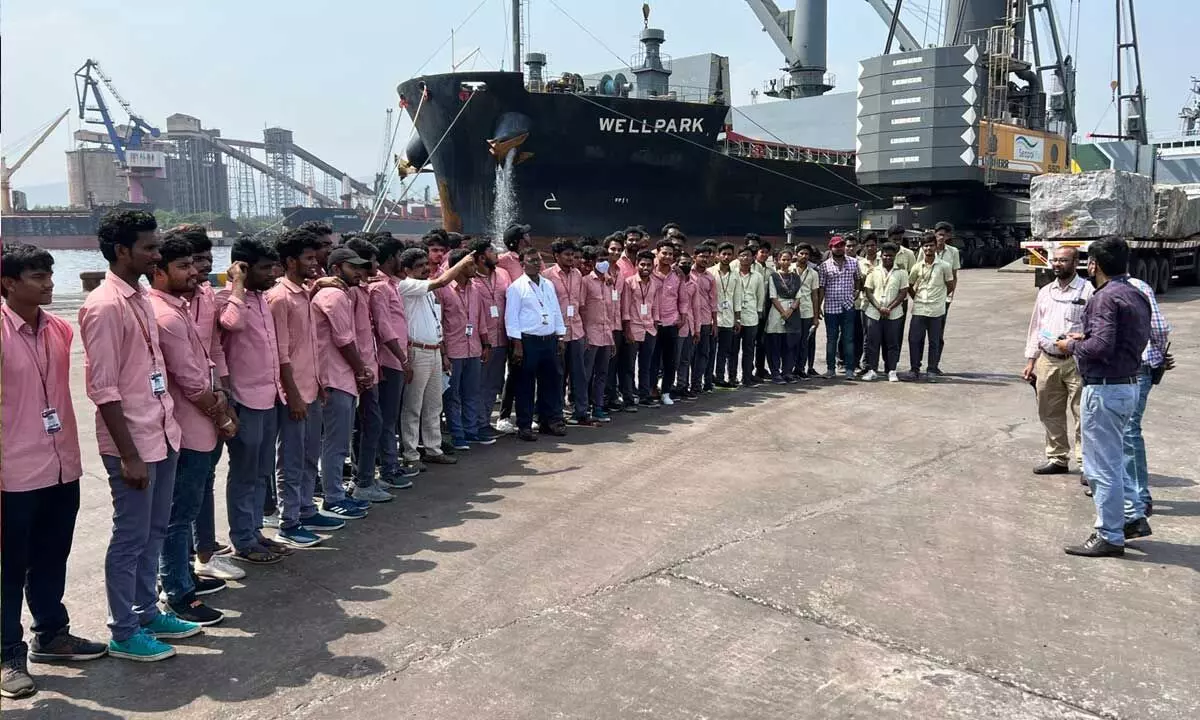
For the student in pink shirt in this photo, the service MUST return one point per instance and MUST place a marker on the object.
(437, 244)
(342, 373)
(633, 244)
(40, 468)
(366, 487)
(640, 313)
(516, 239)
(391, 337)
(136, 432)
(705, 315)
(252, 353)
(666, 350)
(617, 369)
(202, 307)
(298, 413)
(464, 334)
(568, 285)
(324, 234)
(201, 411)
(599, 312)
(689, 330)
(491, 282)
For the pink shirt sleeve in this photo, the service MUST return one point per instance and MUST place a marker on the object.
(382, 312)
(185, 367)
(101, 332)
(231, 312)
(278, 303)
(339, 309)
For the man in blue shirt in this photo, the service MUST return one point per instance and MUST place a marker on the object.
(1116, 328)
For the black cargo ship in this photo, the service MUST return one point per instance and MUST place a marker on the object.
(587, 162)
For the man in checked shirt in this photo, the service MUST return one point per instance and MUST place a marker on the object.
(1155, 361)
(1058, 311)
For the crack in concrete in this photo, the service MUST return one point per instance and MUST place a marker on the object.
(867, 634)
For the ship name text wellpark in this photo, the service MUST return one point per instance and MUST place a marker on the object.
(635, 127)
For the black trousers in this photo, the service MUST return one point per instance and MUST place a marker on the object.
(666, 357)
(38, 526)
(510, 389)
(760, 344)
(725, 367)
(617, 372)
(782, 353)
(884, 335)
(860, 336)
(700, 355)
(748, 341)
(922, 327)
(539, 368)
(645, 359)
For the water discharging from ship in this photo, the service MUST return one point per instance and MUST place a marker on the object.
(504, 211)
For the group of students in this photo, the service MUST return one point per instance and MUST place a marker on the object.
(314, 359)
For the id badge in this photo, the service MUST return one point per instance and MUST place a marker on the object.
(158, 383)
(726, 305)
(644, 309)
(494, 311)
(50, 421)
(545, 319)
(470, 330)
(570, 311)
(616, 295)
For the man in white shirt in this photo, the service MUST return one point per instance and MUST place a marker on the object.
(535, 327)
(421, 411)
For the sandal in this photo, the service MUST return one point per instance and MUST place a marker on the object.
(276, 547)
(257, 557)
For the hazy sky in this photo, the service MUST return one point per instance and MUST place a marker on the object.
(328, 70)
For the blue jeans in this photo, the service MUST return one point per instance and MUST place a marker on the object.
(174, 567)
(460, 402)
(1107, 410)
(368, 436)
(251, 469)
(1136, 470)
(391, 394)
(491, 384)
(140, 519)
(573, 358)
(296, 467)
(204, 530)
(839, 335)
(337, 418)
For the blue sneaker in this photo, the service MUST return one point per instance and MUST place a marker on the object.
(355, 502)
(321, 523)
(141, 647)
(460, 444)
(168, 625)
(483, 438)
(401, 481)
(297, 536)
(601, 415)
(344, 510)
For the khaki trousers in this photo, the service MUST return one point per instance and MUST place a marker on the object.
(1059, 385)
(421, 412)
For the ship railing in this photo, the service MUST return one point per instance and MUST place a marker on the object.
(756, 149)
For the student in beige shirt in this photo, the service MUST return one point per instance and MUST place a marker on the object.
(885, 290)
(753, 297)
(930, 283)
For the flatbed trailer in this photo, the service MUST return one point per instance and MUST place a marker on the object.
(1159, 263)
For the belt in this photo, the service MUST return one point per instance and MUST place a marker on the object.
(1129, 380)
(1056, 357)
(423, 346)
(531, 336)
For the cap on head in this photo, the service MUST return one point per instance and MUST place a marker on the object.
(837, 241)
(514, 232)
(346, 255)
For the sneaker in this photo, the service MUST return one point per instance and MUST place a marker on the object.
(481, 439)
(601, 415)
(223, 550)
(459, 445)
(870, 375)
(812, 373)
(441, 459)
(407, 471)
(588, 422)
(197, 612)
(630, 407)
(373, 494)
(893, 376)
(141, 647)
(321, 523)
(355, 502)
(504, 425)
(66, 646)
(666, 399)
(298, 536)
(220, 568)
(572, 421)
(850, 375)
(207, 586)
(272, 520)
(650, 403)
(936, 371)
(15, 681)
(400, 482)
(168, 625)
(343, 510)
(1134, 529)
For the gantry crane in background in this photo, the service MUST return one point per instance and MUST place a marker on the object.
(6, 172)
(125, 139)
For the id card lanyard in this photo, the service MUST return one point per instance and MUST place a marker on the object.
(195, 335)
(50, 420)
(537, 293)
(158, 383)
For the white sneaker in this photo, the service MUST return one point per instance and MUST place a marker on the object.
(504, 425)
(869, 375)
(893, 376)
(272, 520)
(220, 568)
(666, 399)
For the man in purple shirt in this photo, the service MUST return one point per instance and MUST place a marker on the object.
(1116, 328)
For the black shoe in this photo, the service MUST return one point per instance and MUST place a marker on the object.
(197, 612)
(630, 407)
(207, 586)
(557, 430)
(1083, 480)
(1139, 528)
(1050, 468)
(66, 647)
(936, 371)
(1149, 508)
(526, 435)
(652, 403)
(812, 373)
(1095, 546)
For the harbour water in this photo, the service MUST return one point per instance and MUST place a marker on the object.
(69, 263)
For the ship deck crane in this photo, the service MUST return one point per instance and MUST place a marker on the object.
(6, 171)
(88, 80)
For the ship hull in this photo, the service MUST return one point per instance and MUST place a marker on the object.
(589, 165)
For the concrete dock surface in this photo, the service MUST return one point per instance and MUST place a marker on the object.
(827, 550)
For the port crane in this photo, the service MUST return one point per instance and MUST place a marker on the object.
(6, 171)
(127, 139)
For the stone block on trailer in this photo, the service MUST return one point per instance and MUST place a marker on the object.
(1091, 205)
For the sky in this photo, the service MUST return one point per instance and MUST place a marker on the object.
(328, 71)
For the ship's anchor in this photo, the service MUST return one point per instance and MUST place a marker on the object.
(551, 203)
(500, 149)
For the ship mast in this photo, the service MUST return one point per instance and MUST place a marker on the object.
(516, 35)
